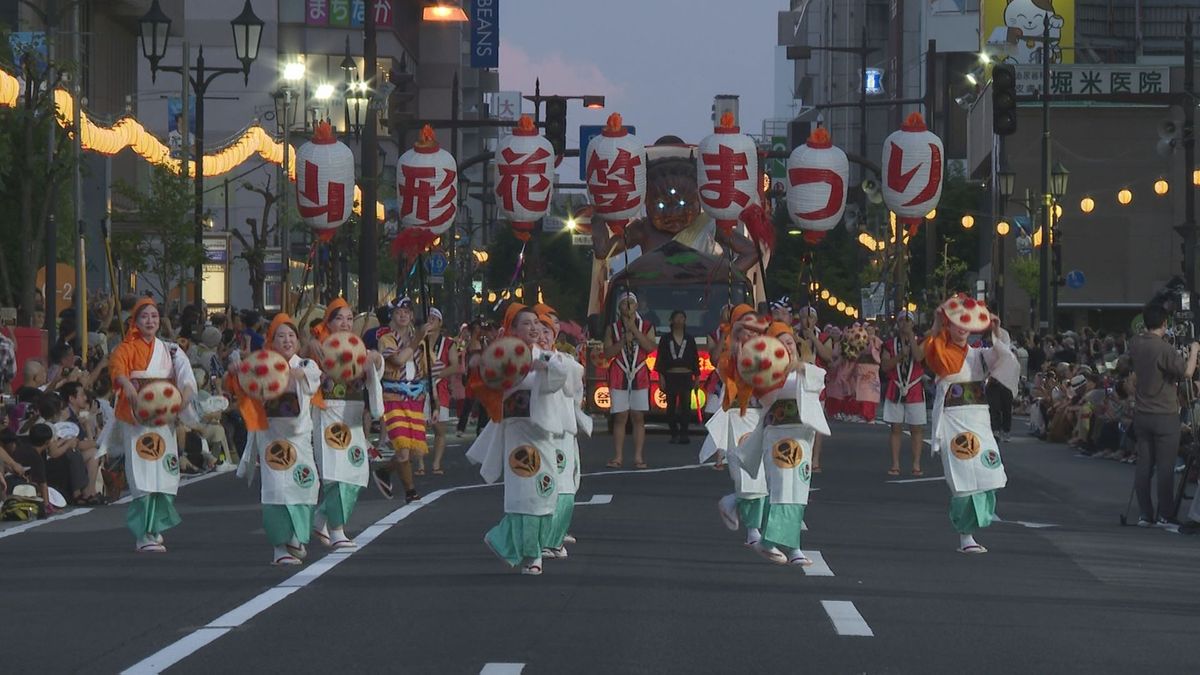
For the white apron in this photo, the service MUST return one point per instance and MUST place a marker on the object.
(728, 430)
(570, 401)
(521, 446)
(339, 442)
(284, 449)
(151, 453)
(963, 433)
(792, 418)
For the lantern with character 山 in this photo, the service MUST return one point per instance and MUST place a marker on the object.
(324, 182)
(524, 177)
(912, 166)
(727, 173)
(817, 179)
(616, 175)
(426, 193)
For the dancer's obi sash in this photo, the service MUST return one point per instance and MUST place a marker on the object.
(151, 453)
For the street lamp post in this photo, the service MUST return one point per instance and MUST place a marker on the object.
(1058, 188)
(154, 31)
(292, 73)
(1005, 180)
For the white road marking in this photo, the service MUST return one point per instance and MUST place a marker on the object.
(1025, 523)
(917, 480)
(803, 526)
(620, 472)
(25, 527)
(198, 639)
(502, 669)
(182, 481)
(846, 619)
(819, 568)
(596, 500)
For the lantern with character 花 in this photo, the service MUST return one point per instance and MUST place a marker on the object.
(816, 196)
(426, 194)
(912, 166)
(324, 182)
(524, 177)
(616, 175)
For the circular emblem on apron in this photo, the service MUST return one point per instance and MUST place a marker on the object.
(281, 455)
(337, 436)
(524, 460)
(965, 445)
(150, 447)
(171, 464)
(357, 456)
(339, 391)
(991, 459)
(560, 460)
(742, 439)
(545, 485)
(304, 475)
(806, 472)
(787, 453)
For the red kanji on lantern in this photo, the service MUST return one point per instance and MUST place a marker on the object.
(616, 174)
(912, 162)
(325, 181)
(525, 177)
(816, 195)
(727, 173)
(427, 195)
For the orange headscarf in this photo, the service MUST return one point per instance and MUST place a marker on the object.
(510, 315)
(281, 319)
(778, 328)
(321, 330)
(544, 313)
(132, 333)
(739, 312)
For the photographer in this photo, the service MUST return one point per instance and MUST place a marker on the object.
(1158, 369)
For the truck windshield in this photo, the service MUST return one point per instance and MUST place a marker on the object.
(701, 302)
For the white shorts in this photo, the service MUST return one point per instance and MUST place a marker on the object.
(443, 414)
(623, 400)
(912, 414)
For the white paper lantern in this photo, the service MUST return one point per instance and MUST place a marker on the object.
(727, 173)
(616, 174)
(426, 194)
(524, 177)
(817, 183)
(324, 182)
(912, 166)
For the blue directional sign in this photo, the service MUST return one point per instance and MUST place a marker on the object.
(1075, 279)
(437, 263)
(586, 133)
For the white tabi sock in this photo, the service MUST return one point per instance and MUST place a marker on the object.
(280, 551)
(965, 540)
(753, 536)
(338, 534)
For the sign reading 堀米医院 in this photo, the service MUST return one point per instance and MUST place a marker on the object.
(485, 33)
(1095, 79)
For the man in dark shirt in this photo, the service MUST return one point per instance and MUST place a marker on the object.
(30, 452)
(1158, 369)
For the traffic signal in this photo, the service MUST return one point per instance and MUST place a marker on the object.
(1004, 99)
(556, 123)
(1056, 262)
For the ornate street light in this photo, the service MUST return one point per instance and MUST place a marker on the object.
(155, 27)
(1058, 180)
(247, 37)
(1006, 181)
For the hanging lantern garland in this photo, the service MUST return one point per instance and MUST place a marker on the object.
(817, 183)
(616, 175)
(912, 165)
(727, 173)
(324, 182)
(525, 177)
(427, 194)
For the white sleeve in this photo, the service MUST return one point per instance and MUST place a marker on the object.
(310, 381)
(181, 367)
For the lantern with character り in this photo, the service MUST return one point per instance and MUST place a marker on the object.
(817, 184)
(616, 175)
(324, 182)
(524, 177)
(912, 167)
(426, 194)
(727, 173)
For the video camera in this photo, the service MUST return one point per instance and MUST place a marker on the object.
(1177, 299)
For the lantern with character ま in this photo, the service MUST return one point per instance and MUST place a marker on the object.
(727, 174)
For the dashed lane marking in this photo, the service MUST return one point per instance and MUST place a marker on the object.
(929, 479)
(596, 500)
(502, 669)
(846, 619)
(819, 568)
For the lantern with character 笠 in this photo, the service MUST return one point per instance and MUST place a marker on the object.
(616, 175)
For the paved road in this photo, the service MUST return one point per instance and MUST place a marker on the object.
(655, 584)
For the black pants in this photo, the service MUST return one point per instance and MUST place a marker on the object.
(678, 388)
(67, 473)
(1000, 405)
(1157, 449)
(464, 415)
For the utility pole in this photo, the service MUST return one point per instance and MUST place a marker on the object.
(81, 331)
(1188, 229)
(368, 239)
(50, 294)
(1045, 311)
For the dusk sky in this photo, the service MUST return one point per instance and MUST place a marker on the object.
(658, 62)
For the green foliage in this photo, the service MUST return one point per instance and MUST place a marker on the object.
(163, 250)
(949, 275)
(562, 271)
(1026, 270)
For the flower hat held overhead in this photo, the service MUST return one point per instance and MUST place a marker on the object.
(966, 313)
